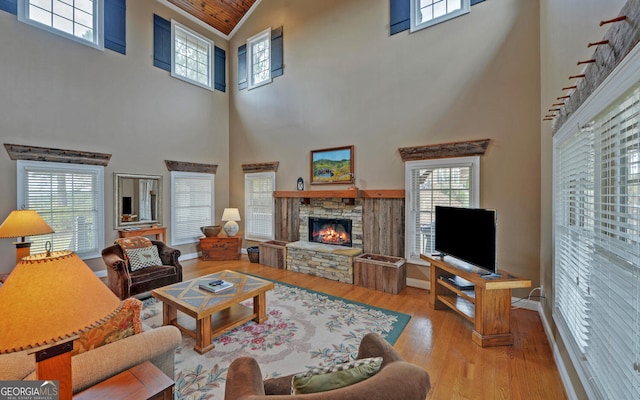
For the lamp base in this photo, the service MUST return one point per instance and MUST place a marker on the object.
(23, 249)
(53, 363)
(231, 228)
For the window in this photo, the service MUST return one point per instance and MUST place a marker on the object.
(79, 20)
(69, 197)
(191, 63)
(258, 205)
(192, 205)
(596, 208)
(259, 59)
(451, 182)
(191, 56)
(425, 13)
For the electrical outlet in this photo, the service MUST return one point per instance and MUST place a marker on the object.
(543, 295)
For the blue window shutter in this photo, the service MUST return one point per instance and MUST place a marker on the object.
(242, 67)
(220, 69)
(400, 15)
(115, 25)
(10, 6)
(276, 52)
(161, 43)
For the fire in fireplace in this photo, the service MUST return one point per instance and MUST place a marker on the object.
(330, 231)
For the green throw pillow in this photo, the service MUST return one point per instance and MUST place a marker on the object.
(335, 377)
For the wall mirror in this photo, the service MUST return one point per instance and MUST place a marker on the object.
(137, 200)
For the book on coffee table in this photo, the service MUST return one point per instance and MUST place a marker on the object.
(216, 286)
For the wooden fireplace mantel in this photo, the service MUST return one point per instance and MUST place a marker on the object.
(341, 194)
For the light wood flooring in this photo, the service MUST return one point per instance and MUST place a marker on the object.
(440, 341)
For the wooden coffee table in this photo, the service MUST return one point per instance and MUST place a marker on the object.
(214, 313)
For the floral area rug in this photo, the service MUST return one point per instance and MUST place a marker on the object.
(304, 329)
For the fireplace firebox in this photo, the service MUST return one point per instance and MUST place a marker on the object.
(330, 231)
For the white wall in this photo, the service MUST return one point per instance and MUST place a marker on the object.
(61, 94)
(346, 81)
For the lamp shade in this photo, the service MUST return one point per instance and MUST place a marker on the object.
(21, 223)
(231, 214)
(50, 297)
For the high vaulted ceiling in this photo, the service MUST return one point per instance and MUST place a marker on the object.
(223, 15)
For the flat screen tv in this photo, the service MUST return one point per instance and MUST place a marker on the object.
(467, 234)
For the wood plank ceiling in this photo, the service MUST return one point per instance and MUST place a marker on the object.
(223, 15)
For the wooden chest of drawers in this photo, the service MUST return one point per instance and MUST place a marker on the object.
(221, 248)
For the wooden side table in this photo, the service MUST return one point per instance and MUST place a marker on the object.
(159, 231)
(144, 381)
(221, 247)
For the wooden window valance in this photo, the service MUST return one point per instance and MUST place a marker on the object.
(444, 150)
(34, 153)
(191, 167)
(261, 167)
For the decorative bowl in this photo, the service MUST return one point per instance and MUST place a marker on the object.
(210, 230)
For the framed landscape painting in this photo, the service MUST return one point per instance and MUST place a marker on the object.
(333, 165)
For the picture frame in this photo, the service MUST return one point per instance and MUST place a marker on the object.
(332, 166)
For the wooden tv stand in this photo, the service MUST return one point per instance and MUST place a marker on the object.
(487, 305)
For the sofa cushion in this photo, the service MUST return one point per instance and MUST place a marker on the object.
(125, 323)
(152, 273)
(133, 242)
(335, 377)
(143, 257)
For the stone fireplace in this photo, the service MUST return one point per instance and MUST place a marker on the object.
(334, 232)
(333, 209)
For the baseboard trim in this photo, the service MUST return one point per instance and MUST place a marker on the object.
(562, 369)
(419, 283)
(190, 256)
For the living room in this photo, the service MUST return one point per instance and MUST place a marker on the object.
(491, 74)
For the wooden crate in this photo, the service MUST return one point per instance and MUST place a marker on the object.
(221, 248)
(383, 273)
(273, 254)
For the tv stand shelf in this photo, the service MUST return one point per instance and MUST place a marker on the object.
(487, 305)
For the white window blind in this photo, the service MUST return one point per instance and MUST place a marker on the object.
(192, 205)
(69, 198)
(443, 182)
(259, 205)
(597, 248)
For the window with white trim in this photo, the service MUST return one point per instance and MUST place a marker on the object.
(453, 182)
(78, 20)
(425, 13)
(259, 59)
(596, 208)
(192, 205)
(69, 197)
(259, 205)
(192, 55)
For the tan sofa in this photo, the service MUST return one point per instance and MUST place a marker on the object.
(156, 345)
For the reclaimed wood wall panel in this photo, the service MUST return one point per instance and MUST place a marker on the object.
(287, 213)
(383, 226)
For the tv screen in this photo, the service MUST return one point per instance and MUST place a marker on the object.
(468, 234)
(126, 205)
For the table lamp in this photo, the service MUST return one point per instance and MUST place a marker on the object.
(21, 223)
(231, 215)
(49, 299)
